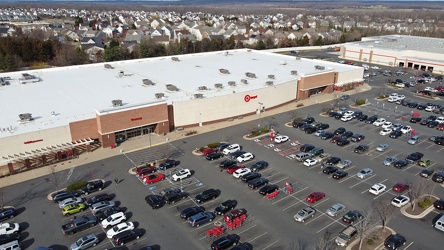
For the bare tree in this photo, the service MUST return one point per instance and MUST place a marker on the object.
(418, 188)
(384, 210)
(299, 245)
(325, 242)
(366, 226)
(55, 179)
(294, 115)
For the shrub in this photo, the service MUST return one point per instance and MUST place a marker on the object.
(213, 145)
(360, 102)
(77, 185)
(427, 202)
(201, 149)
(256, 133)
(264, 130)
(370, 242)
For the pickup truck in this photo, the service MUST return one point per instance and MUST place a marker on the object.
(79, 224)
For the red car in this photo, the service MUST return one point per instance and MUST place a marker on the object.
(153, 178)
(400, 187)
(233, 168)
(440, 127)
(314, 197)
(141, 171)
(233, 214)
(208, 151)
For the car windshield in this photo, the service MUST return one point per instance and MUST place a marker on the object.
(343, 236)
(80, 241)
(302, 213)
(109, 219)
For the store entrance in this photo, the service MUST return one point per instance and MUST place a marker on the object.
(122, 136)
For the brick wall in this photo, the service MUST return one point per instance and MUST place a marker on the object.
(84, 129)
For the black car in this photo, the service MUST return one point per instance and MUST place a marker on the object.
(259, 166)
(309, 120)
(421, 106)
(405, 102)
(439, 140)
(93, 186)
(329, 170)
(5, 238)
(225, 242)
(347, 134)
(426, 172)
(213, 156)
(344, 97)
(327, 136)
(221, 146)
(335, 138)
(298, 124)
(155, 201)
(332, 114)
(415, 119)
(257, 183)
(310, 130)
(243, 246)
(306, 148)
(438, 177)
(322, 126)
(413, 104)
(342, 142)
(268, 189)
(338, 116)
(226, 163)
(340, 174)
(7, 213)
(237, 154)
(400, 164)
(188, 212)
(394, 241)
(250, 176)
(339, 131)
(175, 196)
(98, 198)
(333, 160)
(363, 118)
(357, 114)
(105, 213)
(433, 124)
(352, 216)
(371, 119)
(414, 157)
(361, 149)
(168, 164)
(425, 122)
(59, 196)
(126, 236)
(357, 137)
(225, 207)
(305, 126)
(207, 195)
(395, 134)
(439, 204)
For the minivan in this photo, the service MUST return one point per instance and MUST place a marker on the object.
(13, 245)
(345, 236)
(201, 218)
(303, 156)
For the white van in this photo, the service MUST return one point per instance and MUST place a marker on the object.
(438, 222)
(13, 245)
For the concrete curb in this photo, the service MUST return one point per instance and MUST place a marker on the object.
(49, 197)
(421, 215)
(355, 242)
(254, 138)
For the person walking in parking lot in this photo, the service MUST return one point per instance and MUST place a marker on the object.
(116, 181)
(322, 165)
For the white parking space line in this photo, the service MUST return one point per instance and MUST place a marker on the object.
(411, 165)
(291, 205)
(408, 245)
(247, 229)
(335, 221)
(279, 180)
(363, 181)
(441, 149)
(431, 145)
(319, 203)
(270, 245)
(313, 219)
(350, 176)
(387, 191)
(257, 237)
(206, 225)
(288, 196)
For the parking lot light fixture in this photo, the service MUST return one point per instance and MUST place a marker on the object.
(260, 113)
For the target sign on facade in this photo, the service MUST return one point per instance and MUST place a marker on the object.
(247, 98)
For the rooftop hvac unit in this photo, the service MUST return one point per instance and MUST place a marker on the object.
(108, 66)
(294, 72)
(116, 103)
(202, 88)
(232, 83)
(147, 82)
(249, 50)
(171, 87)
(250, 75)
(319, 67)
(283, 62)
(269, 83)
(224, 71)
(271, 77)
(176, 59)
(218, 85)
(298, 58)
(244, 81)
(198, 96)
(159, 95)
(121, 73)
(26, 117)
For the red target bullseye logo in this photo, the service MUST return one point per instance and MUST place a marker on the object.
(247, 98)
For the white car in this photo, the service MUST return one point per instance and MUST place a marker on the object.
(392, 99)
(241, 172)
(440, 119)
(400, 85)
(182, 174)
(401, 97)
(375, 67)
(364, 173)
(9, 228)
(400, 201)
(344, 164)
(346, 118)
(245, 157)
(430, 89)
(386, 131)
(310, 162)
(379, 122)
(231, 149)
(70, 201)
(377, 189)
(281, 138)
(124, 226)
(349, 113)
(393, 95)
(113, 220)
(387, 125)
(406, 129)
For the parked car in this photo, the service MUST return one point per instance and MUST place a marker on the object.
(340, 174)
(352, 216)
(7, 213)
(414, 157)
(245, 157)
(208, 151)
(141, 171)
(438, 177)
(310, 162)
(181, 174)
(400, 187)
(250, 176)
(361, 149)
(395, 134)
(344, 164)
(171, 198)
(201, 218)
(336, 209)
(214, 156)
(73, 209)
(207, 195)
(93, 186)
(87, 241)
(386, 131)
(281, 139)
(306, 148)
(231, 149)
(390, 160)
(124, 226)
(357, 138)
(101, 205)
(257, 183)
(439, 204)
(105, 213)
(307, 212)
(426, 173)
(113, 219)
(98, 198)
(168, 164)
(153, 178)
(9, 228)
(314, 197)
(235, 213)
(225, 206)
(339, 131)
(70, 201)
(62, 195)
(126, 236)
(400, 164)
(364, 173)
(342, 142)
(190, 211)
(226, 163)
(330, 170)
(327, 136)
(382, 147)
(268, 189)
(394, 241)
(225, 242)
(333, 160)
(241, 172)
(260, 165)
(377, 189)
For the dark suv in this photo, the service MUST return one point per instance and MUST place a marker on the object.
(394, 241)
(127, 236)
(207, 195)
(225, 242)
(64, 195)
(98, 198)
(168, 164)
(438, 177)
(175, 196)
(93, 186)
(414, 157)
(306, 148)
(361, 149)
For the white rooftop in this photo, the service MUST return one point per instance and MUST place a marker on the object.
(58, 96)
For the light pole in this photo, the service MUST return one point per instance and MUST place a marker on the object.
(260, 113)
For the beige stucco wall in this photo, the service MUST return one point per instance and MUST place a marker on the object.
(355, 75)
(231, 105)
(15, 144)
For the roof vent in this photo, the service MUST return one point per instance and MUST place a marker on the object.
(269, 83)
(224, 71)
(159, 95)
(249, 50)
(176, 59)
(147, 82)
(26, 117)
(116, 103)
(250, 75)
(171, 87)
(202, 88)
(298, 58)
(319, 67)
(108, 66)
(283, 62)
(4, 81)
(294, 72)
(244, 81)
(218, 85)
(271, 77)
(121, 73)
(232, 83)
(198, 96)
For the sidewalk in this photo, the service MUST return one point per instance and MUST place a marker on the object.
(143, 141)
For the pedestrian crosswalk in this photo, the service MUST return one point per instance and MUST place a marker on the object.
(150, 155)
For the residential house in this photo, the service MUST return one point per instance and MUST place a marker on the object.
(349, 24)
